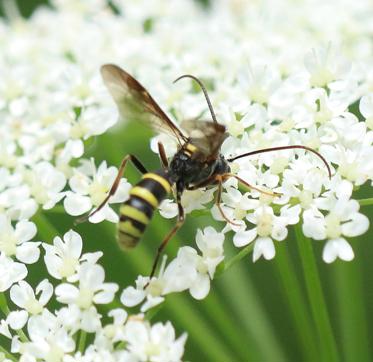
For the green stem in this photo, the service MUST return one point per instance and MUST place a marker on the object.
(4, 304)
(366, 202)
(8, 354)
(328, 348)
(245, 251)
(82, 340)
(297, 304)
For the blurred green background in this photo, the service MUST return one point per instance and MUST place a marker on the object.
(293, 308)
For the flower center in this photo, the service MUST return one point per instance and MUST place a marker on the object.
(8, 244)
(33, 306)
(68, 267)
(264, 226)
(239, 213)
(152, 349)
(349, 170)
(279, 165)
(97, 193)
(55, 354)
(85, 298)
(155, 288)
(201, 266)
(109, 331)
(333, 226)
(305, 198)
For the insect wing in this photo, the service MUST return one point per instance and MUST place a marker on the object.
(135, 103)
(207, 136)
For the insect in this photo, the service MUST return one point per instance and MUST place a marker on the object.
(198, 162)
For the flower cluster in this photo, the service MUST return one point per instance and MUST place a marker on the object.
(82, 289)
(271, 86)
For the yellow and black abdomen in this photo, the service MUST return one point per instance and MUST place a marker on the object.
(137, 211)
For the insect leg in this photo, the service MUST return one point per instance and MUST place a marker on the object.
(209, 181)
(173, 231)
(228, 175)
(114, 188)
(162, 155)
(219, 179)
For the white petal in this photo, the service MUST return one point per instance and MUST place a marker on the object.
(74, 243)
(201, 286)
(366, 106)
(79, 183)
(243, 238)
(344, 190)
(264, 247)
(21, 293)
(122, 192)
(150, 303)
(66, 293)
(76, 204)
(25, 230)
(337, 248)
(107, 294)
(168, 209)
(17, 319)
(91, 276)
(279, 231)
(4, 329)
(29, 252)
(45, 288)
(131, 296)
(358, 225)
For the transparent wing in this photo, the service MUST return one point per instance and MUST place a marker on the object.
(207, 136)
(135, 103)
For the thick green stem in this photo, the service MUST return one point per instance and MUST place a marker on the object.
(328, 349)
(82, 340)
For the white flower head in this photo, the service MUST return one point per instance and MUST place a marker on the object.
(24, 297)
(156, 343)
(10, 272)
(64, 257)
(90, 187)
(15, 242)
(91, 290)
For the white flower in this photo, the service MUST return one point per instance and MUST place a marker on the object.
(201, 268)
(191, 200)
(268, 227)
(112, 332)
(10, 272)
(366, 109)
(63, 258)
(48, 338)
(14, 242)
(18, 203)
(46, 184)
(155, 343)
(24, 297)
(90, 187)
(342, 219)
(91, 290)
(325, 65)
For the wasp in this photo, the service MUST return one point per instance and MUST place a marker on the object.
(197, 164)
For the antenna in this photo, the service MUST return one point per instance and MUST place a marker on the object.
(204, 92)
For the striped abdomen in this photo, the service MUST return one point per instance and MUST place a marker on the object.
(137, 211)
